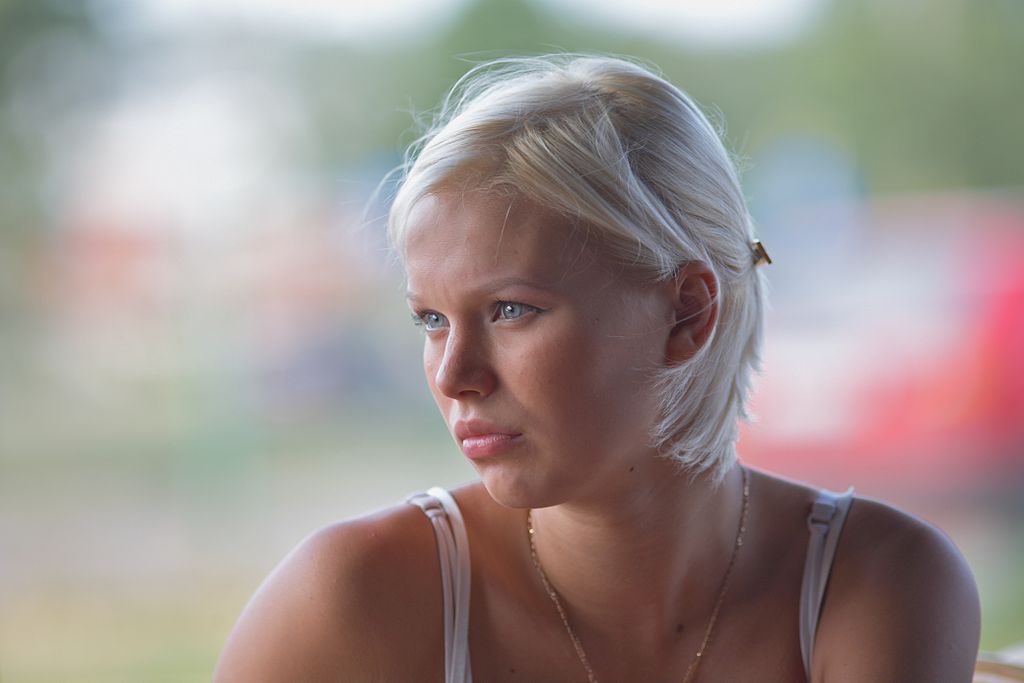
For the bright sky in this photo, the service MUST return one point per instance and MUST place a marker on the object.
(196, 155)
(704, 22)
(707, 22)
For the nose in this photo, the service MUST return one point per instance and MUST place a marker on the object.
(464, 369)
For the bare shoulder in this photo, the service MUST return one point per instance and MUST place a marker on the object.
(901, 603)
(342, 603)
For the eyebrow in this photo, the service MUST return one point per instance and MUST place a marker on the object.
(495, 285)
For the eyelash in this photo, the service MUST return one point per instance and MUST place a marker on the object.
(500, 307)
(419, 317)
(419, 321)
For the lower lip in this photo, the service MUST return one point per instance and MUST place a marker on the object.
(488, 445)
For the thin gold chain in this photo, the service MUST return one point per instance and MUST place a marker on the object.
(691, 671)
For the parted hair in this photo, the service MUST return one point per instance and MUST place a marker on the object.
(614, 146)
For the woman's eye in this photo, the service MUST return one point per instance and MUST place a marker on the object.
(429, 320)
(510, 310)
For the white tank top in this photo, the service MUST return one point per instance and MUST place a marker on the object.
(825, 522)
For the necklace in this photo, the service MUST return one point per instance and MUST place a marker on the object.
(691, 670)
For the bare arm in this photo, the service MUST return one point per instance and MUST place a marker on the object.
(902, 605)
(341, 607)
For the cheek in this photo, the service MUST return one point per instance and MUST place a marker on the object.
(430, 363)
(432, 357)
(592, 384)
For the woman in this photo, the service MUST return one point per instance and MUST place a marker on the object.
(581, 261)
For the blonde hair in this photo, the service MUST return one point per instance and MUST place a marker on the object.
(615, 146)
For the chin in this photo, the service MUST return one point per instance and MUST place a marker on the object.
(514, 488)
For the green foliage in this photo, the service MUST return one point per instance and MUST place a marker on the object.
(923, 96)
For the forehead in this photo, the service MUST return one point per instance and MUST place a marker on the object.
(474, 237)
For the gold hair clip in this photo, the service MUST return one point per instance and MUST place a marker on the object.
(761, 257)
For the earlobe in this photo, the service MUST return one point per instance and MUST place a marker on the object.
(695, 305)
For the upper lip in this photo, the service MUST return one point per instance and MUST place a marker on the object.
(465, 429)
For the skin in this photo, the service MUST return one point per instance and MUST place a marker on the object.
(636, 550)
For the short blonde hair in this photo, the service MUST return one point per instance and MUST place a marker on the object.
(615, 146)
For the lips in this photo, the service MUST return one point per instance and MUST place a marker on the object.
(481, 438)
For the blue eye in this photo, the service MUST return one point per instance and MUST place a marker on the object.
(429, 320)
(510, 310)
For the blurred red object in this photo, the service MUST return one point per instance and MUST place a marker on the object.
(946, 415)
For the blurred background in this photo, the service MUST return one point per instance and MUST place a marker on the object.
(204, 348)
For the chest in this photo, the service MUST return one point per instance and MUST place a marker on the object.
(756, 638)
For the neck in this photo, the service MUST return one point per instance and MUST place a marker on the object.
(646, 560)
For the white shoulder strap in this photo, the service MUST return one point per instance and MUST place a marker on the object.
(826, 523)
(453, 551)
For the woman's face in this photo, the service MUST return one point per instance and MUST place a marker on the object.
(538, 354)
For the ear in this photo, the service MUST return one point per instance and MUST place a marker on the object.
(694, 291)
